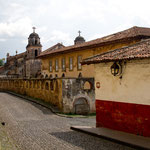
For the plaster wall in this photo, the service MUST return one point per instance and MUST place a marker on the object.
(87, 70)
(132, 87)
(123, 102)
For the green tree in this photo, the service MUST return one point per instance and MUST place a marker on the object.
(1, 62)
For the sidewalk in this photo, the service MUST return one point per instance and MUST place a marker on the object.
(131, 140)
(5, 142)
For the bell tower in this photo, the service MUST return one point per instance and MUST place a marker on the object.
(34, 46)
(33, 49)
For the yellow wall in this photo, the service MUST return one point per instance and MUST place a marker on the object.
(36, 88)
(75, 72)
(65, 93)
(132, 88)
(87, 70)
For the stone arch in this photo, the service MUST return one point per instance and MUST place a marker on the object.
(51, 76)
(87, 85)
(56, 86)
(46, 76)
(81, 106)
(56, 76)
(51, 85)
(63, 75)
(47, 86)
(42, 85)
(80, 75)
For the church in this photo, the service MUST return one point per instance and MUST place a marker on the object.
(25, 65)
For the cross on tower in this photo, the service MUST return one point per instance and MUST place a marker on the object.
(34, 29)
(79, 32)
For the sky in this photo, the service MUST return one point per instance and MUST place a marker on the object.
(60, 20)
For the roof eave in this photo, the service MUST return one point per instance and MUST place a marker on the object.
(111, 60)
(92, 46)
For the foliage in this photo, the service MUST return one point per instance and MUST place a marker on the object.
(1, 62)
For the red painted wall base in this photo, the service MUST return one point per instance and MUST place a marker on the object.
(131, 118)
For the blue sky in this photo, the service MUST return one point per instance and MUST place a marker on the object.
(59, 20)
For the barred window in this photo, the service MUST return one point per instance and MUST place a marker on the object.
(63, 64)
(70, 63)
(79, 62)
(50, 66)
(56, 65)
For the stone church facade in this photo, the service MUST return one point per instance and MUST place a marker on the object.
(26, 64)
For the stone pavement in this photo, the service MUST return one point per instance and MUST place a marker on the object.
(33, 127)
(6, 143)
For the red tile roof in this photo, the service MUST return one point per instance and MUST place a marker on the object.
(131, 33)
(136, 51)
(53, 48)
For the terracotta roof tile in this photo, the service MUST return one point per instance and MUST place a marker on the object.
(126, 34)
(53, 48)
(138, 50)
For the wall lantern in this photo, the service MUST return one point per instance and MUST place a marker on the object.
(116, 69)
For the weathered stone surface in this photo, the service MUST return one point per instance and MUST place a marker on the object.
(80, 100)
(65, 93)
(33, 127)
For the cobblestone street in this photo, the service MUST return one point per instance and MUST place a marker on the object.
(33, 127)
(5, 142)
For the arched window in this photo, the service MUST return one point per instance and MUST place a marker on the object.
(80, 75)
(87, 85)
(36, 52)
(63, 75)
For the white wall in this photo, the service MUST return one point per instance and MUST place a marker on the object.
(134, 87)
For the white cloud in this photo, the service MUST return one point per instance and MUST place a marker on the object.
(3, 40)
(60, 37)
(19, 28)
(59, 20)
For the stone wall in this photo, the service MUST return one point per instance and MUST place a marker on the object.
(70, 95)
(78, 95)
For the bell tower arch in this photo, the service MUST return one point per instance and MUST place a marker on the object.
(33, 49)
(34, 46)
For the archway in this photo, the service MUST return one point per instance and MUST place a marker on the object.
(81, 106)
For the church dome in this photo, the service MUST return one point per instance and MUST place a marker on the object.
(33, 35)
(79, 39)
(34, 39)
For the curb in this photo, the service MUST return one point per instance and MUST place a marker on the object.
(83, 130)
